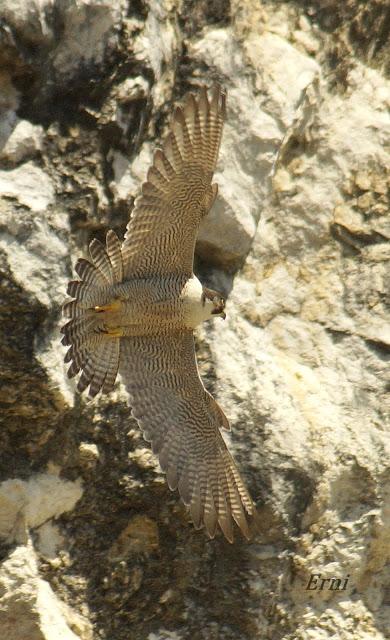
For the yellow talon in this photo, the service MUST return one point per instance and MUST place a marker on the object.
(113, 306)
(113, 332)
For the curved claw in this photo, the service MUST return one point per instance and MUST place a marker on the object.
(112, 332)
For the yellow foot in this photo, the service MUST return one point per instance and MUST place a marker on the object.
(113, 306)
(112, 332)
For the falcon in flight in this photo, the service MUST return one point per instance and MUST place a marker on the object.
(135, 307)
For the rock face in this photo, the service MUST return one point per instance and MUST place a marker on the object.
(94, 544)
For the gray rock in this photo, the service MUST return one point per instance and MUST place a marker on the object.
(24, 142)
(28, 505)
(29, 185)
(28, 606)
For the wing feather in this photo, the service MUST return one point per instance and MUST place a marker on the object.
(183, 422)
(162, 163)
(178, 191)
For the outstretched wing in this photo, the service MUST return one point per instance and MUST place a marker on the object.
(178, 193)
(183, 421)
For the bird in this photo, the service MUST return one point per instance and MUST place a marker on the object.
(134, 309)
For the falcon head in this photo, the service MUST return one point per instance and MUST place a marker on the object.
(218, 302)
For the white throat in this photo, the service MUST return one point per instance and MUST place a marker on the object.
(196, 308)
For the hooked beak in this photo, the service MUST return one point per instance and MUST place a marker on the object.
(219, 308)
(217, 300)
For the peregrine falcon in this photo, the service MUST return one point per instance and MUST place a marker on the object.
(135, 307)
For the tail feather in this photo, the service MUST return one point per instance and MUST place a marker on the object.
(76, 329)
(72, 309)
(92, 351)
(75, 289)
(115, 254)
(101, 260)
(100, 364)
(112, 366)
(86, 374)
(73, 369)
(88, 272)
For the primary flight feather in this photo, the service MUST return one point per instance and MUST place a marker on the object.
(134, 309)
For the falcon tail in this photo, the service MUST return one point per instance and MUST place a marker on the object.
(91, 349)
